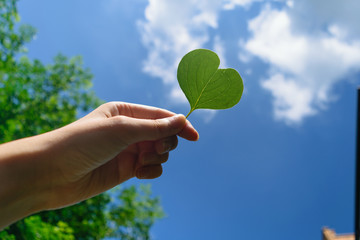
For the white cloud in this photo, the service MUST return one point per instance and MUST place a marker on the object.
(231, 4)
(219, 48)
(313, 61)
(170, 30)
(310, 46)
(177, 95)
(207, 114)
(291, 100)
(273, 41)
(173, 28)
(315, 15)
(243, 55)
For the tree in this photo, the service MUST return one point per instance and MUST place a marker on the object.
(136, 213)
(36, 98)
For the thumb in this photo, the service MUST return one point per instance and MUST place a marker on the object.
(135, 130)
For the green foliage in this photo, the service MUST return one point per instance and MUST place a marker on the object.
(12, 40)
(41, 98)
(138, 209)
(4, 235)
(36, 98)
(89, 219)
(206, 86)
(34, 228)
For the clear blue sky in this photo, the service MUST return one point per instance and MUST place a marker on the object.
(279, 165)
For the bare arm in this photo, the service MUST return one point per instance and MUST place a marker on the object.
(112, 144)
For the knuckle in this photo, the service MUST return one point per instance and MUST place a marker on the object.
(159, 131)
(107, 105)
(116, 126)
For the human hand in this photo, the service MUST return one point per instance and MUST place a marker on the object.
(112, 144)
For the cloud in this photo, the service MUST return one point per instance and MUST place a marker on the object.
(220, 50)
(308, 46)
(313, 16)
(305, 61)
(173, 28)
(170, 30)
(292, 101)
(231, 4)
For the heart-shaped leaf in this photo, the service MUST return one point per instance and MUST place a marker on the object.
(205, 85)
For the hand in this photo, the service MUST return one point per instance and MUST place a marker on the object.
(112, 144)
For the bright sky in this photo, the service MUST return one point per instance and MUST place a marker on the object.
(279, 165)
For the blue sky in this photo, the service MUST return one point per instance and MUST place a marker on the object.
(280, 164)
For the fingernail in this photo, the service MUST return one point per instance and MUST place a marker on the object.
(166, 146)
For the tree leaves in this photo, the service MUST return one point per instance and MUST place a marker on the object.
(205, 85)
(36, 98)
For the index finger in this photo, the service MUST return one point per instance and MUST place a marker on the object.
(189, 132)
(140, 111)
(149, 112)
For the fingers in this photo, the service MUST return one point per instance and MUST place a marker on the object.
(152, 155)
(149, 172)
(137, 111)
(153, 158)
(189, 132)
(165, 145)
(150, 165)
(132, 130)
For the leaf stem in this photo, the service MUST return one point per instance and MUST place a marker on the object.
(189, 113)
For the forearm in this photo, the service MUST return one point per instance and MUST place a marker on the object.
(86, 158)
(21, 185)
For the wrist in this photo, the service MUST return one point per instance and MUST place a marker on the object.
(22, 189)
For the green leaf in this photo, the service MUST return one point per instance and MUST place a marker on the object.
(205, 85)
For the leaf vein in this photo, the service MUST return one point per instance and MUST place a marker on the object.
(226, 89)
(202, 91)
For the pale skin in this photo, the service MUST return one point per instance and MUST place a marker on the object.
(110, 145)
